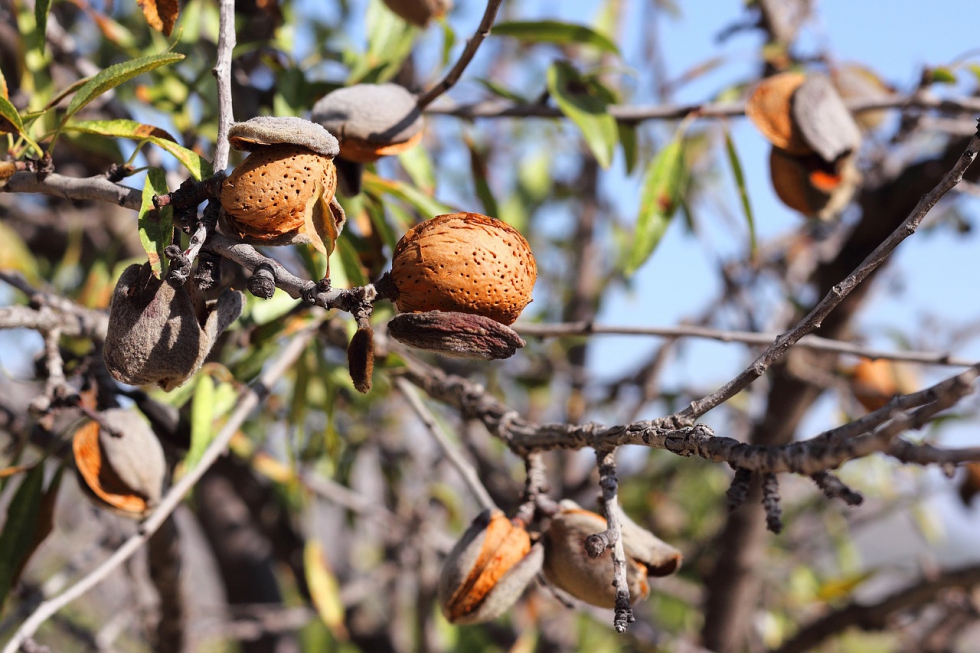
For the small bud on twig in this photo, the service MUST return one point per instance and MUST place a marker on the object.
(770, 501)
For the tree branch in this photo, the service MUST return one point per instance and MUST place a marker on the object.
(639, 113)
(222, 73)
(747, 337)
(873, 433)
(447, 82)
(74, 188)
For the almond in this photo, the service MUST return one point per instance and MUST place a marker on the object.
(568, 566)
(155, 334)
(283, 192)
(770, 108)
(123, 469)
(464, 262)
(370, 120)
(875, 382)
(811, 186)
(487, 570)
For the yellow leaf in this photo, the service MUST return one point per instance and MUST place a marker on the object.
(324, 589)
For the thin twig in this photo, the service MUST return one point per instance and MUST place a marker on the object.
(222, 73)
(747, 337)
(447, 82)
(465, 469)
(638, 113)
(837, 294)
(247, 402)
(612, 538)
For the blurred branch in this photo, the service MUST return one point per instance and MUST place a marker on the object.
(876, 616)
(747, 337)
(638, 113)
(465, 469)
(447, 82)
(248, 400)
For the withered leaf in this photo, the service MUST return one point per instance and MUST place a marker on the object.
(161, 15)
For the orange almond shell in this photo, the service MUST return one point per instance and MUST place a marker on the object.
(99, 477)
(464, 262)
(359, 150)
(275, 191)
(874, 383)
(770, 108)
(504, 545)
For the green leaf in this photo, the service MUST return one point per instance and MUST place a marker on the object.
(19, 535)
(202, 420)
(975, 69)
(553, 31)
(478, 168)
(943, 75)
(198, 166)
(41, 9)
(585, 103)
(424, 204)
(351, 263)
(502, 91)
(418, 165)
(628, 139)
(113, 76)
(156, 226)
(662, 187)
(9, 112)
(743, 192)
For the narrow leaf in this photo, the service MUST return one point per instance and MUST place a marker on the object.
(661, 194)
(478, 168)
(155, 225)
(581, 101)
(424, 204)
(943, 75)
(743, 192)
(8, 114)
(628, 139)
(202, 420)
(324, 589)
(115, 75)
(198, 166)
(553, 31)
(41, 9)
(17, 539)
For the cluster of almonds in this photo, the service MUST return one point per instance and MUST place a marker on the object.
(495, 559)
(814, 142)
(458, 279)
